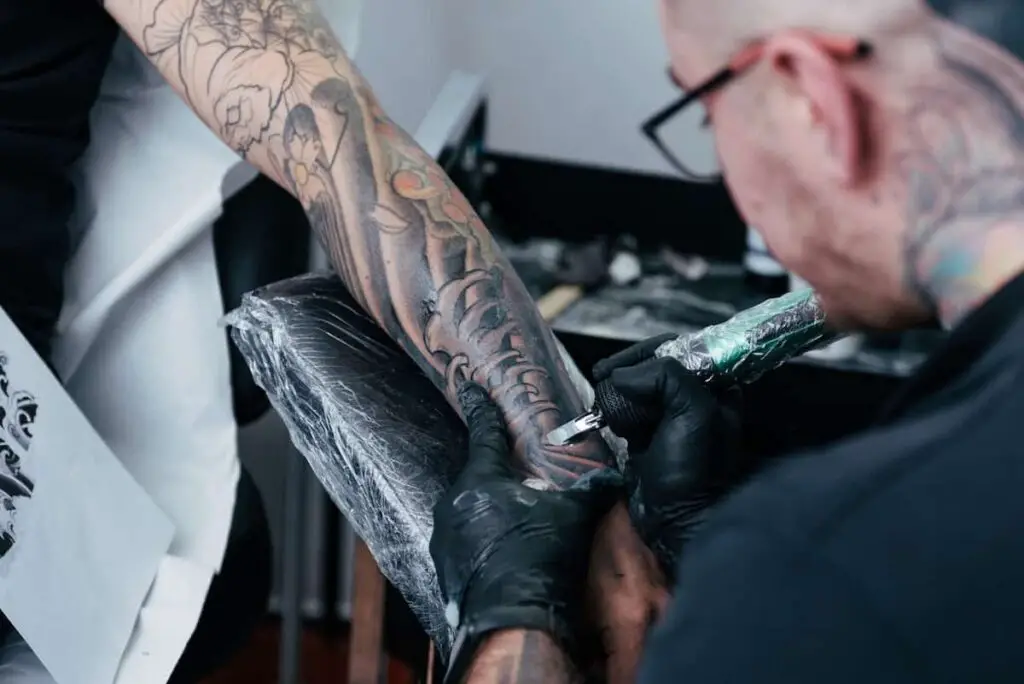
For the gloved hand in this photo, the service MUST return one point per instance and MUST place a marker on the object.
(693, 458)
(507, 556)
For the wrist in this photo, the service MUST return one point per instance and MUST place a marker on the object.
(478, 628)
(520, 656)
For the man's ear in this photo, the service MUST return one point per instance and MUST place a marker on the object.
(823, 102)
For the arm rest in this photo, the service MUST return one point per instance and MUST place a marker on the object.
(375, 429)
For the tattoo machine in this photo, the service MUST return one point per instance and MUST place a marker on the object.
(737, 351)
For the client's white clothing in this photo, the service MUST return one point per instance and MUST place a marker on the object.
(140, 348)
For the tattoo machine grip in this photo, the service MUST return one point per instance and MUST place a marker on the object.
(632, 421)
(735, 352)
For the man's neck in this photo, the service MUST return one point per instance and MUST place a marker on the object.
(963, 154)
(959, 272)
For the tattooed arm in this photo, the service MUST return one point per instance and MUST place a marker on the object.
(270, 78)
(521, 657)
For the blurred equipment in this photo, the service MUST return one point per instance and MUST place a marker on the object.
(581, 268)
(764, 274)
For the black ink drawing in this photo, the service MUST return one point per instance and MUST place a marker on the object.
(23, 408)
(18, 411)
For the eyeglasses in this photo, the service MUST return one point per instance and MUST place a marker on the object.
(847, 49)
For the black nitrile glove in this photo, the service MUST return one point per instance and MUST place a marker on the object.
(630, 356)
(507, 556)
(693, 458)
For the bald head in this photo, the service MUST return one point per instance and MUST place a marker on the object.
(728, 22)
(724, 24)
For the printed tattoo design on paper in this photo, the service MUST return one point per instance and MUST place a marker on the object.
(18, 412)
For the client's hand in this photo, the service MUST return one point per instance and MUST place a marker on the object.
(693, 458)
(627, 594)
(507, 556)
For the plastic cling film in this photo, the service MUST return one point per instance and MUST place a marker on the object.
(366, 422)
(377, 433)
(754, 341)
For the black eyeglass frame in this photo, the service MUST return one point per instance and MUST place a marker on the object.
(850, 49)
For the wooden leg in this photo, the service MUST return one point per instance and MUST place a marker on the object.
(554, 303)
(431, 654)
(366, 643)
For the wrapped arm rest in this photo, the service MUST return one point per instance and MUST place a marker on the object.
(377, 433)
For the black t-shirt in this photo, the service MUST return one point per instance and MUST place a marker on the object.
(894, 556)
(52, 57)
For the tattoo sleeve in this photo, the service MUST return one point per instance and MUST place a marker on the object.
(518, 657)
(270, 78)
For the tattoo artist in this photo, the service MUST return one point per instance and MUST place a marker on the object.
(882, 155)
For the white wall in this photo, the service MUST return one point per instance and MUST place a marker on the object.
(403, 47)
(568, 79)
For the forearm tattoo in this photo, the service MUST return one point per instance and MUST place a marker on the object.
(269, 77)
(965, 191)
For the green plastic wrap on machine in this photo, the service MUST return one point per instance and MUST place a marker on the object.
(754, 341)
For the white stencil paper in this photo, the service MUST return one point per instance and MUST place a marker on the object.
(80, 540)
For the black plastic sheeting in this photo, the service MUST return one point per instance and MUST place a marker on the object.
(376, 432)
